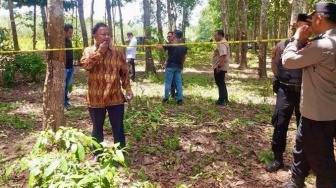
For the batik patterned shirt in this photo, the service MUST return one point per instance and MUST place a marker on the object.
(107, 75)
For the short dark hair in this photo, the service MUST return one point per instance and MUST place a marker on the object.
(330, 18)
(97, 26)
(129, 33)
(178, 33)
(67, 27)
(220, 32)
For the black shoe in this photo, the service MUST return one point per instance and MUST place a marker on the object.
(274, 166)
(164, 100)
(291, 184)
(179, 102)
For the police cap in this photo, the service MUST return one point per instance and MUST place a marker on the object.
(324, 7)
(302, 18)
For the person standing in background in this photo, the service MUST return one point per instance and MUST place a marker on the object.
(173, 92)
(287, 86)
(177, 55)
(220, 64)
(131, 54)
(69, 68)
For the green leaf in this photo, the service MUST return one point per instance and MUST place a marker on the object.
(76, 176)
(120, 156)
(64, 165)
(106, 183)
(67, 144)
(31, 181)
(9, 170)
(51, 168)
(80, 152)
(37, 146)
(85, 181)
(58, 135)
(73, 148)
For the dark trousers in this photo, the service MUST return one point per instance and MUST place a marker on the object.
(131, 67)
(116, 116)
(287, 101)
(314, 149)
(220, 82)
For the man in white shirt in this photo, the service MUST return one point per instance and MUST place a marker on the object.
(130, 54)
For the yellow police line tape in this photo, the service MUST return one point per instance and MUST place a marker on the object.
(149, 45)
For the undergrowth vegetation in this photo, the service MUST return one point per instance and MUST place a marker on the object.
(197, 144)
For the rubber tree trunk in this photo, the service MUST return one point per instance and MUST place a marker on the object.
(53, 93)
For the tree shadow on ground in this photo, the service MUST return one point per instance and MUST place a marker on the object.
(197, 144)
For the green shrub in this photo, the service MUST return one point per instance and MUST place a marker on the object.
(29, 65)
(58, 160)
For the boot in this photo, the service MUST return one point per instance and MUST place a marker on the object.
(276, 163)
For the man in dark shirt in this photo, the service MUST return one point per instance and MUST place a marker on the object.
(69, 69)
(176, 57)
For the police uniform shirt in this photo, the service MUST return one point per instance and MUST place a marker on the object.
(221, 49)
(276, 56)
(318, 60)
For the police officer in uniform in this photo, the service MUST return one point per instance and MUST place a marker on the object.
(287, 86)
(314, 146)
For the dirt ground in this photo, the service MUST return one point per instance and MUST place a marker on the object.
(220, 166)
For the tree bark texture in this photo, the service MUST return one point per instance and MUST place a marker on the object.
(45, 24)
(160, 29)
(13, 25)
(263, 35)
(150, 68)
(225, 18)
(53, 93)
(34, 29)
(109, 16)
(237, 32)
(82, 23)
(91, 19)
(243, 36)
(171, 15)
(121, 23)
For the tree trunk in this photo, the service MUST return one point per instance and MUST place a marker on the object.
(276, 20)
(91, 19)
(113, 22)
(53, 93)
(121, 23)
(225, 18)
(109, 16)
(297, 7)
(263, 35)
(150, 68)
(171, 15)
(237, 32)
(13, 25)
(256, 29)
(184, 21)
(82, 23)
(45, 25)
(160, 30)
(34, 29)
(243, 26)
